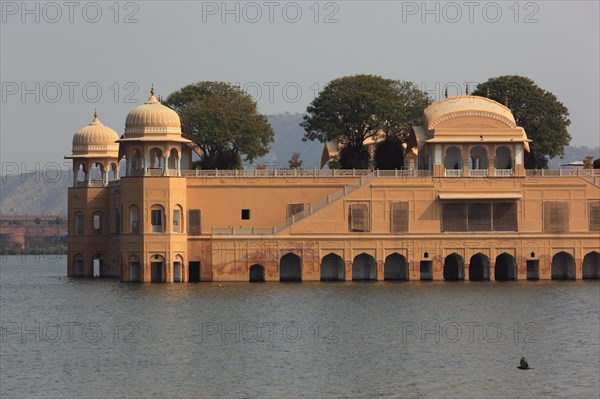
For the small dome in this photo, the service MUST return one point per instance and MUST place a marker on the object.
(95, 137)
(460, 106)
(152, 117)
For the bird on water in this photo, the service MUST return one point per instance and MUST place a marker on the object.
(524, 365)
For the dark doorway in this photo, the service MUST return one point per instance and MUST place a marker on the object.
(563, 266)
(506, 268)
(364, 268)
(395, 268)
(332, 268)
(290, 268)
(454, 268)
(426, 269)
(157, 272)
(257, 273)
(591, 266)
(194, 272)
(533, 269)
(479, 268)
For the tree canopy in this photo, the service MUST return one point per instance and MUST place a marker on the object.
(224, 122)
(544, 118)
(353, 108)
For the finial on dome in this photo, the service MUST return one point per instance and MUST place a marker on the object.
(506, 100)
(152, 90)
(487, 93)
(446, 92)
(467, 90)
(95, 113)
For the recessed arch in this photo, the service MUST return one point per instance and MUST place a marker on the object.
(503, 159)
(364, 268)
(157, 269)
(479, 267)
(332, 268)
(505, 267)
(290, 267)
(395, 268)
(591, 266)
(454, 267)
(563, 266)
(453, 158)
(478, 158)
(134, 219)
(257, 273)
(134, 268)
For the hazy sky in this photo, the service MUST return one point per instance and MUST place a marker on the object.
(61, 60)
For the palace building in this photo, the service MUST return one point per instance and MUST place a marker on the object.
(464, 208)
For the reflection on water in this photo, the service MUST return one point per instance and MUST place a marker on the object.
(101, 338)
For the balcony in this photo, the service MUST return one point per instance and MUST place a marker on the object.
(478, 173)
(453, 172)
(503, 172)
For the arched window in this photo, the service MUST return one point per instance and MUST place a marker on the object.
(479, 157)
(98, 223)
(156, 158)
(177, 220)
(173, 163)
(79, 223)
(134, 219)
(157, 219)
(503, 158)
(453, 159)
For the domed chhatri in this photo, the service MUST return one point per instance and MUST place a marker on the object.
(95, 138)
(152, 117)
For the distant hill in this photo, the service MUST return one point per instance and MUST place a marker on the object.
(45, 193)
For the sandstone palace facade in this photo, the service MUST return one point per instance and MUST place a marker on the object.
(464, 208)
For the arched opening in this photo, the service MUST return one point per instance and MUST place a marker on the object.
(364, 268)
(332, 268)
(395, 268)
(290, 268)
(122, 167)
(114, 172)
(135, 163)
(505, 268)
(563, 266)
(156, 159)
(134, 219)
(453, 161)
(81, 174)
(157, 219)
(257, 273)
(79, 223)
(173, 162)
(478, 161)
(177, 220)
(178, 269)
(479, 267)
(78, 266)
(454, 268)
(134, 269)
(591, 266)
(503, 159)
(157, 269)
(97, 173)
(97, 266)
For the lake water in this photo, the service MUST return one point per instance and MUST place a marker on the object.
(91, 338)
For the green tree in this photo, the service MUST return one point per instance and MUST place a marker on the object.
(596, 164)
(295, 162)
(224, 122)
(544, 118)
(354, 108)
(389, 154)
(588, 162)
